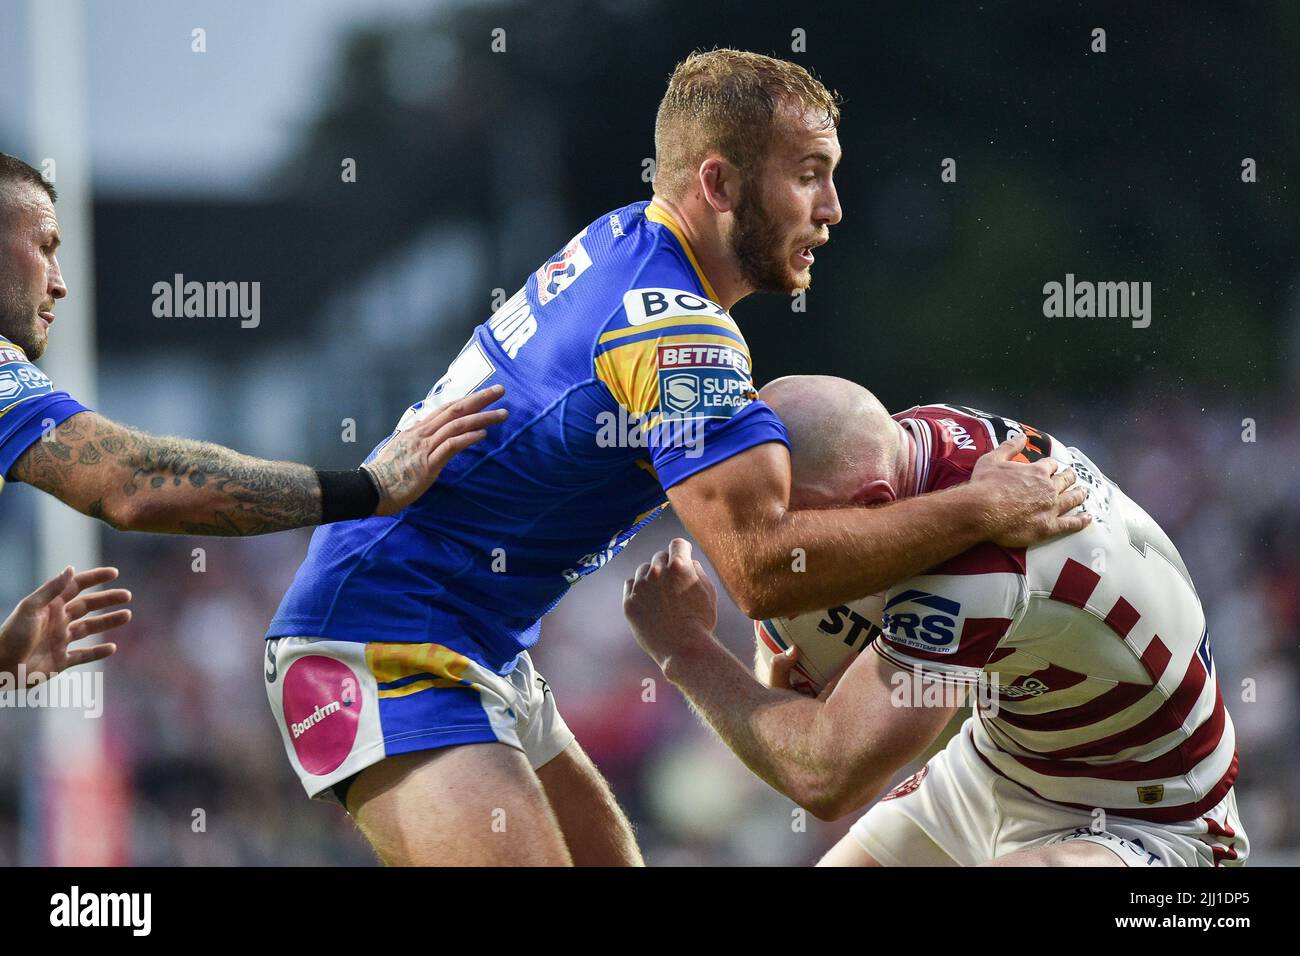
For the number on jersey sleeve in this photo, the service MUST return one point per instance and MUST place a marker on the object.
(467, 373)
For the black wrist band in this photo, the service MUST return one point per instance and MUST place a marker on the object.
(347, 495)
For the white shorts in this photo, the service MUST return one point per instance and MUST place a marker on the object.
(955, 811)
(342, 706)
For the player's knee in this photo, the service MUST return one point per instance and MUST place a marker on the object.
(596, 829)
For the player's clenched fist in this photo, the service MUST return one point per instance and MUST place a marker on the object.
(1027, 503)
(670, 602)
(409, 464)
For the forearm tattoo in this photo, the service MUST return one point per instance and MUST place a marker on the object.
(138, 482)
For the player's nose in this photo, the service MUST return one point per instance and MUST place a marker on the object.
(828, 210)
(55, 286)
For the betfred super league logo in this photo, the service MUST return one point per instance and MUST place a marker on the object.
(702, 381)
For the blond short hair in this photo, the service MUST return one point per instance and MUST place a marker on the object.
(726, 101)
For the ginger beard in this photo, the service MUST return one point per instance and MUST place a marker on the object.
(761, 246)
(20, 320)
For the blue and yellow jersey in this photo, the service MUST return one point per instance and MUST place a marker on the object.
(623, 377)
(29, 405)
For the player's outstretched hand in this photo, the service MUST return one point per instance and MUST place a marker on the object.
(1027, 502)
(410, 463)
(670, 602)
(37, 634)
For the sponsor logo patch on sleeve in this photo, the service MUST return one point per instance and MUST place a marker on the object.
(20, 379)
(643, 306)
(927, 622)
(699, 381)
(562, 269)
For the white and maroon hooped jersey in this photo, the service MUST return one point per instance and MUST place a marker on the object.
(1100, 685)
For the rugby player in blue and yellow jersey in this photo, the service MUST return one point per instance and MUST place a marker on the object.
(138, 482)
(397, 665)
(135, 481)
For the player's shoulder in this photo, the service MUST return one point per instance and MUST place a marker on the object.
(952, 425)
(643, 276)
(20, 380)
(666, 314)
(11, 351)
(949, 440)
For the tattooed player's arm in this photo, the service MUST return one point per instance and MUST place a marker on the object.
(138, 482)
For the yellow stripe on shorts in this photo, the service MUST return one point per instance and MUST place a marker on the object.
(390, 662)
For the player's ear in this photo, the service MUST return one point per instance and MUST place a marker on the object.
(877, 491)
(720, 183)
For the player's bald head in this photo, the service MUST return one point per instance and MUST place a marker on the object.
(841, 438)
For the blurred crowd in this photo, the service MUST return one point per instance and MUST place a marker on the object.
(188, 721)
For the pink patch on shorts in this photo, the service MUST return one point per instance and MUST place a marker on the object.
(322, 710)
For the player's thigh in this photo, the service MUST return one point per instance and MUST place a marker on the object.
(939, 816)
(595, 827)
(1074, 853)
(848, 852)
(467, 805)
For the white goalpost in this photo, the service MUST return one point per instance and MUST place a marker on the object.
(76, 811)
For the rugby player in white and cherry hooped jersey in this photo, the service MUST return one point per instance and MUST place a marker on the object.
(1099, 736)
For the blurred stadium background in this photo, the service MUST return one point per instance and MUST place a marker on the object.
(473, 166)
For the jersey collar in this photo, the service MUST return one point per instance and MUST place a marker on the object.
(920, 453)
(660, 215)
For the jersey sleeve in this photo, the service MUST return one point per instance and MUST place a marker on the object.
(949, 626)
(679, 368)
(29, 405)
